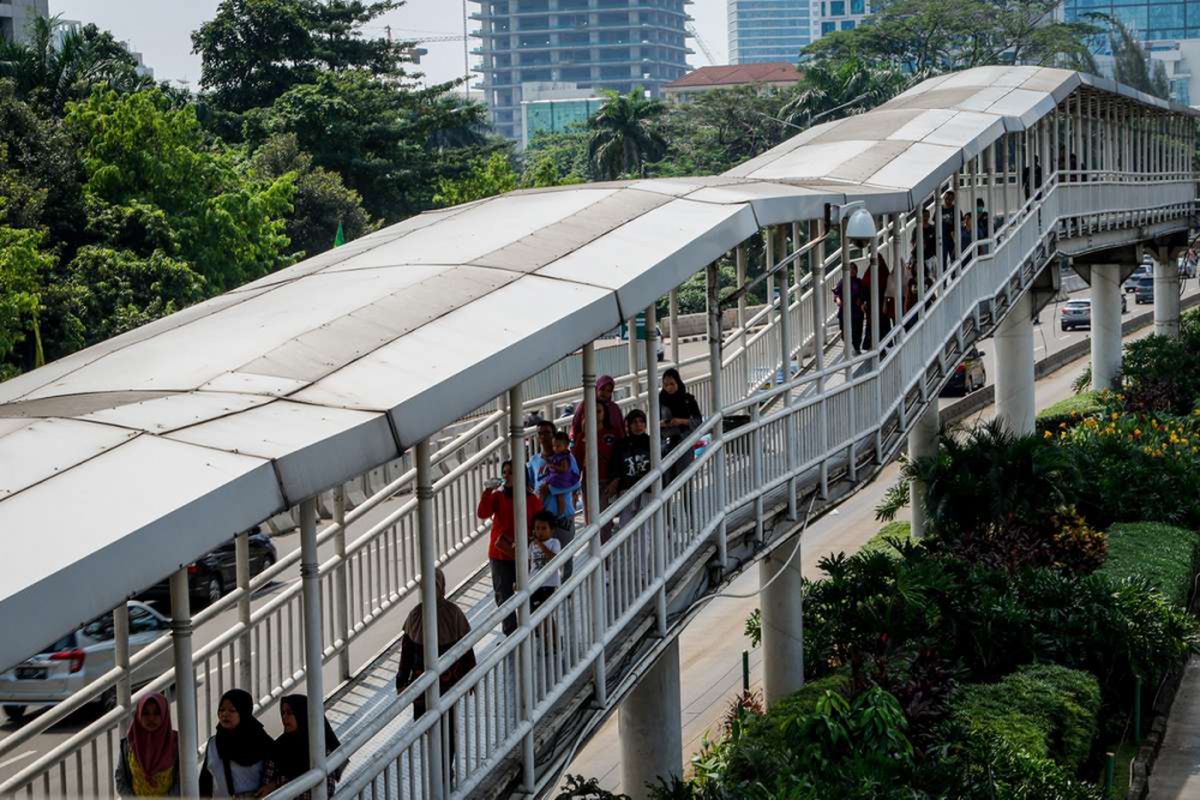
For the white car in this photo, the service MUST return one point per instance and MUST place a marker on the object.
(1145, 270)
(77, 659)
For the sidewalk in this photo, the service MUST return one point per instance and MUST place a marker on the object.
(1176, 773)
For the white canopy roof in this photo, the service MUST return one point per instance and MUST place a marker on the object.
(122, 462)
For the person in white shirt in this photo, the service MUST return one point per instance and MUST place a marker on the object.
(542, 548)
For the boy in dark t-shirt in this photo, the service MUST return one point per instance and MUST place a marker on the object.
(630, 463)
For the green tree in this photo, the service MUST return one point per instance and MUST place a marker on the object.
(57, 66)
(553, 159)
(1131, 63)
(23, 267)
(322, 200)
(722, 128)
(254, 51)
(625, 135)
(485, 178)
(836, 88)
(924, 37)
(389, 144)
(121, 290)
(152, 183)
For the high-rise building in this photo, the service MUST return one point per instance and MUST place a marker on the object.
(594, 44)
(15, 16)
(1169, 30)
(837, 15)
(763, 31)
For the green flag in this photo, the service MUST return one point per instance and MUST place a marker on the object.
(339, 238)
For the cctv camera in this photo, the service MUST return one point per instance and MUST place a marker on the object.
(860, 228)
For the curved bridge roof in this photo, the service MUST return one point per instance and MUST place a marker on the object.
(130, 458)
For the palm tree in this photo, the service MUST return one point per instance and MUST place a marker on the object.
(624, 135)
(836, 88)
(57, 66)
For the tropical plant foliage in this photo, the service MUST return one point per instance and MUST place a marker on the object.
(625, 135)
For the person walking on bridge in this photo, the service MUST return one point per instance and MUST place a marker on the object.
(610, 430)
(497, 505)
(236, 755)
(149, 758)
(289, 760)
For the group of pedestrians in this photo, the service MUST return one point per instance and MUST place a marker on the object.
(240, 759)
(555, 477)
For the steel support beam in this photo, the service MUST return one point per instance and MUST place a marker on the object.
(314, 677)
(185, 684)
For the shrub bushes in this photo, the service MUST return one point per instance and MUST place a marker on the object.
(1044, 709)
(1166, 556)
(1069, 411)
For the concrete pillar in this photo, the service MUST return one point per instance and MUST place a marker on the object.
(782, 603)
(1014, 368)
(650, 727)
(922, 443)
(1106, 325)
(1166, 295)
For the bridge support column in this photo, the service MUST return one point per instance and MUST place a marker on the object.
(1014, 368)
(314, 678)
(922, 443)
(650, 726)
(1166, 295)
(1106, 325)
(782, 603)
(185, 684)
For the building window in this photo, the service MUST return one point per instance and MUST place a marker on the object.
(848, 25)
(828, 27)
(857, 6)
(837, 8)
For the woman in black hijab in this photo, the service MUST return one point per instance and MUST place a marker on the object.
(289, 759)
(236, 755)
(680, 415)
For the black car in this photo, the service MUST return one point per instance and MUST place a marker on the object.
(215, 573)
(967, 376)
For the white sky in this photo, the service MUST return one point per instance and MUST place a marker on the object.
(161, 30)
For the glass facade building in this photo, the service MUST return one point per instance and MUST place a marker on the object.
(594, 44)
(837, 15)
(763, 31)
(1170, 31)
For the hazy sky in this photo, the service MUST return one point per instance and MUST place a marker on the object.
(161, 30)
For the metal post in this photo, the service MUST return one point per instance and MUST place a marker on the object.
(713, 287)
(786, 344)
(516, 436)
(591, 489)
(774, 256)
(848, 345)
(314, 679)
(635, 389)
(818, 289)
(741, 281)
(919, 267)
(241, 547)
(121, 656)
(340, 586)
(185, 684)
(674, 312)
(655, 431)
(427, 553)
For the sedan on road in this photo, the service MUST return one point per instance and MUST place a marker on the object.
(968, 376)
(1141, 272)
(1143, 291)
(215, 573)
(73, 661)
(1078, 313)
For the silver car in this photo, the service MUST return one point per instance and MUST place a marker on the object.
(1144, 271)
(77, 659)
(1078, 313)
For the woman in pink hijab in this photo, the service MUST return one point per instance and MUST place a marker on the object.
(149, 763)
(610, 430)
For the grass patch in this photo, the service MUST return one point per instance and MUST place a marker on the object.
(1167, 556)
(893, 530)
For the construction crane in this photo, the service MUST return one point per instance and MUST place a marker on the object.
(695, 34)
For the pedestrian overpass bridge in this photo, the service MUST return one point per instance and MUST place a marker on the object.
(380, 384)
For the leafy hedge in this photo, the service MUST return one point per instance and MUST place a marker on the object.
(1166, 556)
(1069, 411)
(1046, 710)
(882, 542)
